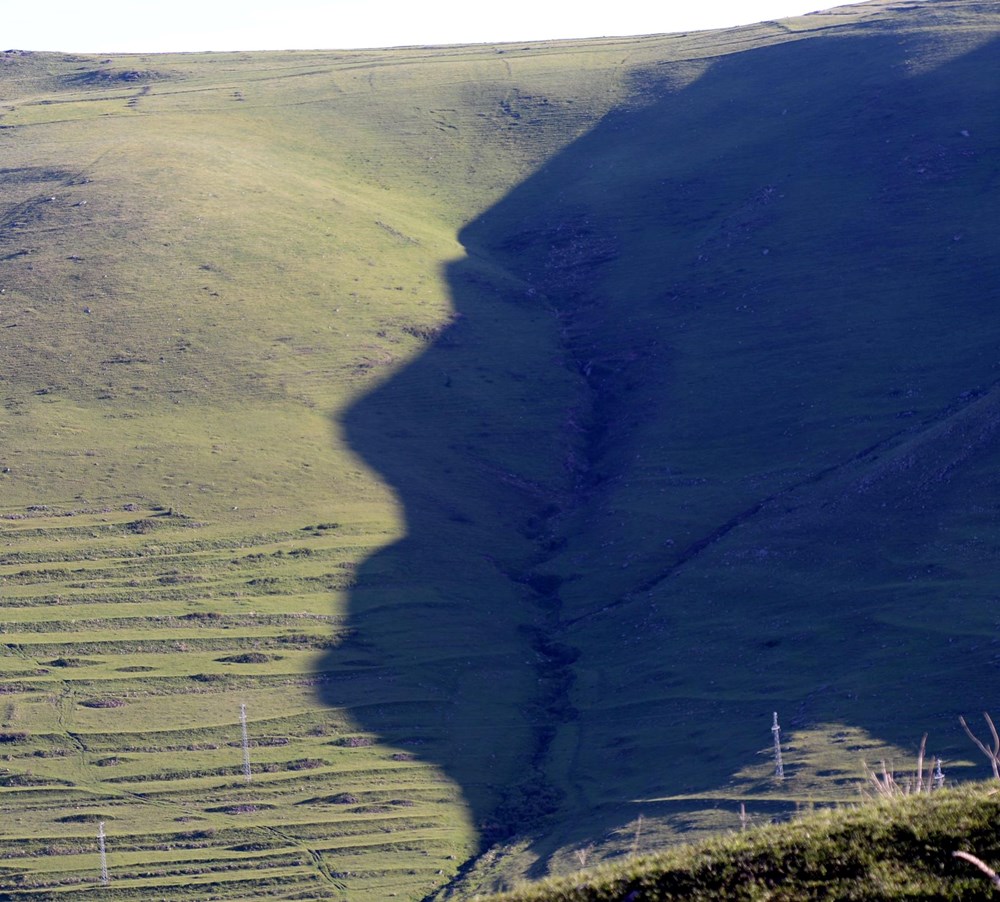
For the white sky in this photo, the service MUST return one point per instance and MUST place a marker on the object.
(116, 26)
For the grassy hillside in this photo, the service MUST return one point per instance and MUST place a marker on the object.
(511, 429)
(206, 260)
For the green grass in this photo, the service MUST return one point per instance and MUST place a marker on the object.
(163, 767)
(457, 382)
(898, 848)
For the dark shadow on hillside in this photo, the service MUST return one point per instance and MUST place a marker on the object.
(711, 435)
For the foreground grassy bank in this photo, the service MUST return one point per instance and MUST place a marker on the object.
(899, 848)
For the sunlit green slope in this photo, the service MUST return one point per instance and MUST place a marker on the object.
(209, 254)
(512, 429)
(205, 260)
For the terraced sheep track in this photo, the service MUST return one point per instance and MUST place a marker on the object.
(129, 643)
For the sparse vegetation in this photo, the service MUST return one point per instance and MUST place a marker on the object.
(992, 752)
(884, 782)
